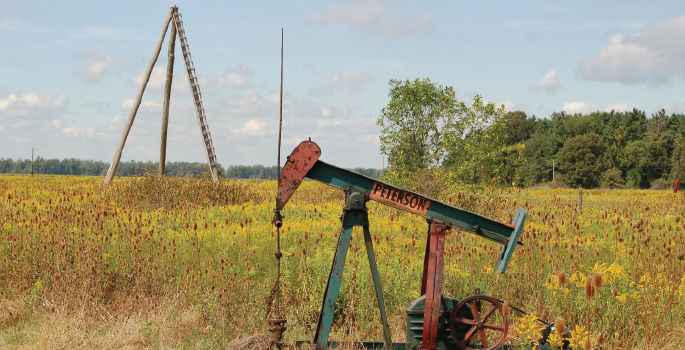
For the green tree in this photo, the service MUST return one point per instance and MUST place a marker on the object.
(413, 122)
(678, 160)
(519, 127)
(582, 160)
(613, 178)
(539, 153)
(657, 162)
(635, 160)
(477, 144)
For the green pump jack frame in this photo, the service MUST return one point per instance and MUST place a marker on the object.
(354, 214)
(441, 217)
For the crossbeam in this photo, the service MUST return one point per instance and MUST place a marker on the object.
(304, 162)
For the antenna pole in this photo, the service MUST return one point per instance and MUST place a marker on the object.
(278, 172)
(277, 323)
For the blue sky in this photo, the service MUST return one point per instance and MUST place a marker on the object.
(69, 70)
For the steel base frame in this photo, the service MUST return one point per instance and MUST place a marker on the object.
(350, 218)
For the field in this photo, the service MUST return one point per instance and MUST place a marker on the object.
(183, 263)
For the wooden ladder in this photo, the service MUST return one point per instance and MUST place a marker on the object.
(197, 97)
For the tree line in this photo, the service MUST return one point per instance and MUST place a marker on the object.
(73, 166)
(426, 129)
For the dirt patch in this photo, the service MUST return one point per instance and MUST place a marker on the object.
(253, 342)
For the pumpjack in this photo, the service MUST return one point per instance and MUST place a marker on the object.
(434, 320)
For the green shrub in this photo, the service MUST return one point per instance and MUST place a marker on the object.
(613, 179)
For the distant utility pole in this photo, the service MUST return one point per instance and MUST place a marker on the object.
(552, 172)
(32, 149)
(580, 199)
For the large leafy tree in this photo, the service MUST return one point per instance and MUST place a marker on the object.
(583, 161)
(678, 160)
(635, 160)
(413, 123)
(477, 144)
(539, 153)
(519, 127)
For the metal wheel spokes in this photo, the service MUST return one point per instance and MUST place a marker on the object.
(478, 319)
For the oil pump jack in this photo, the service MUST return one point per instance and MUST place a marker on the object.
(434, 320)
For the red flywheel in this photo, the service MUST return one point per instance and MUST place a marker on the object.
(478, 319)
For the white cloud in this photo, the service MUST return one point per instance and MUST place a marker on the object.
(253, 103)
(238, 77)
(179, 83)
(550, 83)
(372, 16)
(356, 81)
(582, 107)
(671, 107)
(32, 105)
(309, 109)
(510, 106)
(145, 106)
(653, 55)
(256, 128)
(97, 64)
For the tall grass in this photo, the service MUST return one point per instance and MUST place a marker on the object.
(170, 262)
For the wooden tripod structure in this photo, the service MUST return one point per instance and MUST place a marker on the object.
(176, 28)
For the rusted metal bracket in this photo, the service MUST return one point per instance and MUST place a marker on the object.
(277, 220)
(277, 325)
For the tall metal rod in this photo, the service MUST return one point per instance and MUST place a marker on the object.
(278, 172)
(277, 323)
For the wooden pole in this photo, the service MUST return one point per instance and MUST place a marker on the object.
(32, 149)
(134, 109)
(552, 172)
(167, 97)
(580, 199)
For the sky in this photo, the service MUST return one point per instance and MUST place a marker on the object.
(70, 70)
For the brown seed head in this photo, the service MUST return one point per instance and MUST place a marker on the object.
(614, 292)
(597, 280)
(505, 308)
(595, 310)
(600, 339)
(560, 327)
(562, 278)
(589, 291)
(587, 345)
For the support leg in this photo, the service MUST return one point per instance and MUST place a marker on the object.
(167, 98)
(323, 328)
(424, 280)
(136, 103)
(377, 285)
(433, 285)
